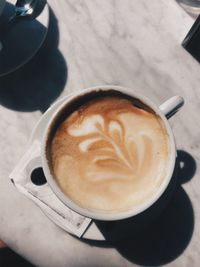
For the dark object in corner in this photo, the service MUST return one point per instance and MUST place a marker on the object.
(192, 40)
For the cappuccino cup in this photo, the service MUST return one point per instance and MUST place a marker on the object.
(108, 153)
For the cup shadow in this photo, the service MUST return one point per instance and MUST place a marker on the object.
(9, 258)
(164, 238)
(39, 82)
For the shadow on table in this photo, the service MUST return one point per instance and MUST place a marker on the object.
(8, 258)
(189, 7)
(167, 236)
(34, 87)
(39, 82)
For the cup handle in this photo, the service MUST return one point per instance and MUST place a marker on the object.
(171, 106)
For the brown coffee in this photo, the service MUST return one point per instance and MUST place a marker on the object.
(110, 154)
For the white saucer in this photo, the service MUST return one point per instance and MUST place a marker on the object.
(23, 39)
(113, 230)
(98, 230)
(95, 230)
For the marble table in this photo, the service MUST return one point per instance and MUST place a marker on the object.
(131, 43)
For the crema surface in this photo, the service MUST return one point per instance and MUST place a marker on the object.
(110, 155)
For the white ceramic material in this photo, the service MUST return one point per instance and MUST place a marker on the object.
(166, 109)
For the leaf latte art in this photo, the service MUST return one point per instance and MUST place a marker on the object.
(110, 155)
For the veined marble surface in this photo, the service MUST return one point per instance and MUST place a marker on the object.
(132, 43)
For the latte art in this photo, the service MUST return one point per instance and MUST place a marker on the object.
(110, 155)
(111, 146)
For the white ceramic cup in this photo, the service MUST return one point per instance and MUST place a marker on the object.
(166, 110)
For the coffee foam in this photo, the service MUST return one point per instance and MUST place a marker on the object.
(109, 155)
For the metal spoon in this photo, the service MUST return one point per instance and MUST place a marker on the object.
(23, 9)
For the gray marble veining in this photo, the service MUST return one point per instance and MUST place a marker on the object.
(121, 42)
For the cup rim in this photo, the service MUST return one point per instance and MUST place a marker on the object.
(119, 214)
